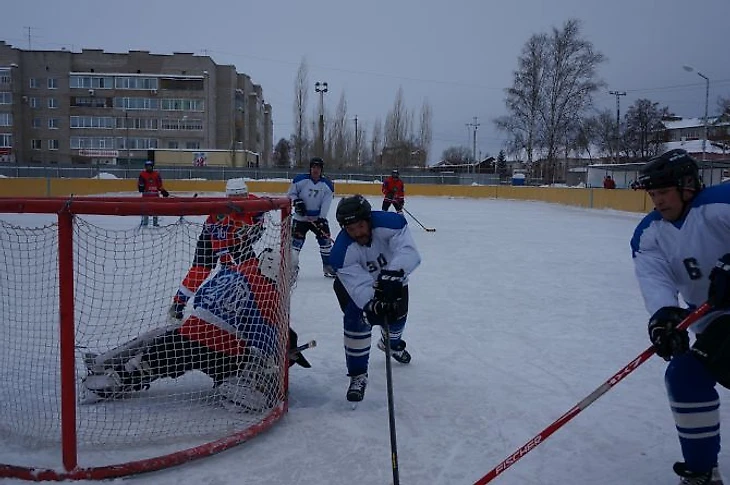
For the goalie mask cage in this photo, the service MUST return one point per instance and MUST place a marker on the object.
(80, 276)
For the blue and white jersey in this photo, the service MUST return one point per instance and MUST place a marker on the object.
(392, 247)
(317, 196)
(675, 258)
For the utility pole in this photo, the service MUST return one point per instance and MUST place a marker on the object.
(357, 143)
(618, 95)
(321, 88)
(475, 125)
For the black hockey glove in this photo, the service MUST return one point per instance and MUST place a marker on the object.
(379, 309)
(663, 333)
(719, 294)
(389, 287)
(300, 207)
(322, 226)
(164, 193)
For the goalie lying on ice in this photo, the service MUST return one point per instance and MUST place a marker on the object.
(232, 335)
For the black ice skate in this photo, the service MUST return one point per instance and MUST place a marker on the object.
(397, 351)
(356, 391)
(689, 477)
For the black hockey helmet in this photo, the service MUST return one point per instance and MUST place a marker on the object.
(316, 161)
(395, 172)
(669, 169)
(353, 209)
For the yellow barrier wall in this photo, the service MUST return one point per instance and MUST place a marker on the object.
(623, 200)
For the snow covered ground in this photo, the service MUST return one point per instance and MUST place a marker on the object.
(519, 311)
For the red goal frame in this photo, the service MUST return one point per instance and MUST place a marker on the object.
(66, 208)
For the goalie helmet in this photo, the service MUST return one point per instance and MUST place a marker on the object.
(236, 188)
(269, 262)
(353, 209)
(316, 162)
(671, 169)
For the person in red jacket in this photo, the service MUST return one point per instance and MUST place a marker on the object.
(608, 182)
(229, 235)
(394, 192)
(150, 185)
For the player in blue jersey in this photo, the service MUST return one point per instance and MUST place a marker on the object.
(682, 248)
(311, 195)
(373, 256)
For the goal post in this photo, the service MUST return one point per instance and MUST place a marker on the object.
(81, 278)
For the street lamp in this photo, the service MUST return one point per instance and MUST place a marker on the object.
(321, 88)
(707, 97)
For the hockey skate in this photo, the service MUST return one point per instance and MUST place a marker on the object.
(689, 477)
(356, 391)
(328, 271)
(398, 351)
(111, 384)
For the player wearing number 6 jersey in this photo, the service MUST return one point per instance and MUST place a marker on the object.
(682, 248)
(373, 256)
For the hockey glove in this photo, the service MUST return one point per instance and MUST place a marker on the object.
(719, 294)
(323, 228)
(300, 207)
(389, 286)
(376, 310)
(164, 193)
(663, 333)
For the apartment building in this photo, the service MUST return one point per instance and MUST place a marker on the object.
(60, 107)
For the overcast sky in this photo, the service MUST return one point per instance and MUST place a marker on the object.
(460, 54)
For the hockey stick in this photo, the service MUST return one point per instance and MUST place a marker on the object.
(391, 411)
(427, 229)
(587, 401)
(309, 345)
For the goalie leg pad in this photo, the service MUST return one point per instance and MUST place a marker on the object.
(712, 348)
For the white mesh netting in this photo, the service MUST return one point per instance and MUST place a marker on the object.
(126, 279)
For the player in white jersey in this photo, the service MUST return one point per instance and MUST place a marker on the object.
(311, 194)
(373, 256)
(682, 248)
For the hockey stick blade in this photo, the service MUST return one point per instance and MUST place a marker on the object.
(309, 345)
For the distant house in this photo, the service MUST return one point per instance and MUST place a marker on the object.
(688, 133)
(485, 166)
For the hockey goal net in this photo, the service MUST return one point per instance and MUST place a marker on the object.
(80, 277)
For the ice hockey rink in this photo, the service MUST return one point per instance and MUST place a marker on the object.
(518, 311)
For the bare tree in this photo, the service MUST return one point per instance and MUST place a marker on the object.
(524, 98)
(458, 155)
(642, 138)
(569, 83)
(340, 135)
(376, 142)
(723, 104)
(397, 121)
(425, 132)
(301, 96)
(602, 128)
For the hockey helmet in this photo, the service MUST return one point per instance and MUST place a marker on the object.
(395, 173)
(669, 169)
(316, 162)
(149, 163)
(236, 188)
(269, 262)
(353, 209)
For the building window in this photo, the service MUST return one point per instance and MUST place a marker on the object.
(53, 144)
(35, 144)
(33, 102)
(172, 144)
(6, 140)
(53, 123)
(5, 78)
(94, 82)
(52, 103)
(52, 83)
(33, 83)
(6, 97)
(35, 123)
(192, 145)
(6, 119)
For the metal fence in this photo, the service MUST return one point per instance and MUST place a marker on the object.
(225, 173)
